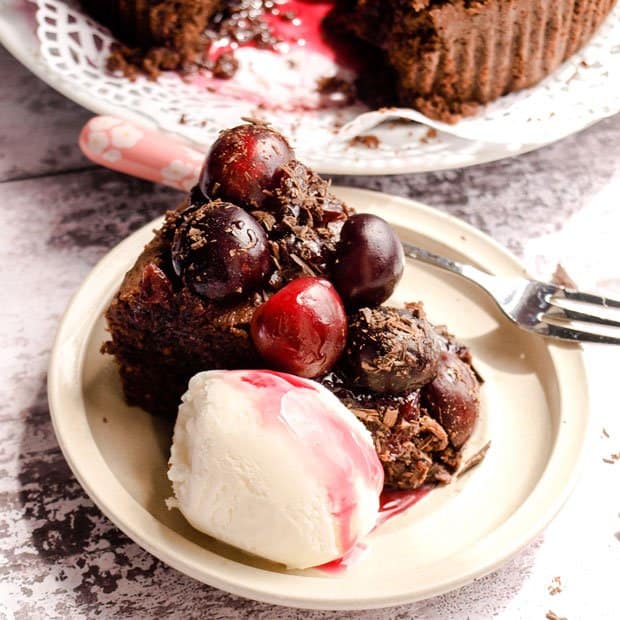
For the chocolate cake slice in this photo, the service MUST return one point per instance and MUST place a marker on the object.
(163, 332)
(193, 298)
(154, 34)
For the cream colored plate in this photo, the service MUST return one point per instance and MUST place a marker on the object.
(535, 411)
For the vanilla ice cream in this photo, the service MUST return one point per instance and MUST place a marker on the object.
(275, 465)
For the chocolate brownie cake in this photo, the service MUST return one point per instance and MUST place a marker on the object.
(442, 57)
(249, 272)
(157, 35)
(448, 56)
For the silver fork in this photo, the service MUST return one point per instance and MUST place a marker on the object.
(530, 304)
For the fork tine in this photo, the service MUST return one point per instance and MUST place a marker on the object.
(589, 298)
(559, 312)
(565, 333)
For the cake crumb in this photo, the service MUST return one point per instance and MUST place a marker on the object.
(431, 134)
(336, 88)
(555, 587)
(476, 459)
(225, 66)
(561, 277)
(183, 120)
(551, 615)
(612, 458)
(370, 141)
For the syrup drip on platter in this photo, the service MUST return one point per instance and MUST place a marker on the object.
(280, 56)
(391, 503)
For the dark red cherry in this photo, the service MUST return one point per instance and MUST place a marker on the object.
(241, 164)
(453, 398)
(220, 251)
(302, 329)
(369, 261)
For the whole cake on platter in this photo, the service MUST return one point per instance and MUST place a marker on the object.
(262, 267)
(447, 57)
(442, 57)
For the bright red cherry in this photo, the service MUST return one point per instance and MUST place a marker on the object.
(241, 164)
(302, 329)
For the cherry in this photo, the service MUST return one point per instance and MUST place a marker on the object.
(220, 251)
(390, 350)
(241, 164)
(302, 329)
(453, 397)
(369, 261)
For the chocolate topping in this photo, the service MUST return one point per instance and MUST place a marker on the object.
(412, 446)
(303, 221)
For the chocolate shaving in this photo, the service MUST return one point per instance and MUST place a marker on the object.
(304, 266)
(561, 278)
(474, 460)
(555, 587)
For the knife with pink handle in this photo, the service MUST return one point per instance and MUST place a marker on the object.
(139, 152)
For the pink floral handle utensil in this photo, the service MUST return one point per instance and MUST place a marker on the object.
(146, 154)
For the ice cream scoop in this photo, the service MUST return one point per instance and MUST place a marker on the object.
(275, 465)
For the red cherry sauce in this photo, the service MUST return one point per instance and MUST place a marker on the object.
(339, 566)
(301, 30)
(391, 503)
(305, 29)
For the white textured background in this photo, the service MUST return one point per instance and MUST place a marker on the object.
(61, 558)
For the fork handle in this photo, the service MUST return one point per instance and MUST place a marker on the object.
(471, 273)
(139, 152)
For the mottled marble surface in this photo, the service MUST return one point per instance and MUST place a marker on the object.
(61, 558)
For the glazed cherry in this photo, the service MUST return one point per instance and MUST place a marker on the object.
(220, 251)
(302, 329)
(452, 397)
(241, 164)
(369, 261)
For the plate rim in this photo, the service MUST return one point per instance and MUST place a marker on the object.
(30, 59)
(567, 359)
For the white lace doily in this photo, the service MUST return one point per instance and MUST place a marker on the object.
(585, 89)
